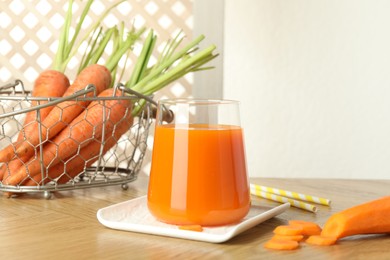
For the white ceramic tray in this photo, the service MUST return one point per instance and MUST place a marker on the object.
(133, 215)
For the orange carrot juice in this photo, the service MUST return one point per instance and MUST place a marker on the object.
(198, 175)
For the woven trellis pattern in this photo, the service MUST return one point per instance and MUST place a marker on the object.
(29, 32)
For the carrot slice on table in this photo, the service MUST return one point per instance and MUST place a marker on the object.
(196, 228)
(369, 218)
(281, 244)
(288, 230)
(290, 237)
(309, 228)
(321, 240)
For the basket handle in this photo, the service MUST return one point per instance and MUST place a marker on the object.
(52, 101)
(168, 115)
(135, 93)
(13, 86)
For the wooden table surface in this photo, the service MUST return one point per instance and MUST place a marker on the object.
(66, 227)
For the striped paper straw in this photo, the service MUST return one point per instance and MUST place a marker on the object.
(292, 195)
(277, 198)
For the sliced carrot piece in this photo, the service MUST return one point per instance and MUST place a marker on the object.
(281, 244)
(321, 240)
(291, 237)
(288, 230)
(197, 228)
(309, 228)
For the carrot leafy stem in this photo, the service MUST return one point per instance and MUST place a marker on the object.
(68, 47)
(172, 64)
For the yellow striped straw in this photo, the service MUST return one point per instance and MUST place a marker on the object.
(277, 198)
(292, 195)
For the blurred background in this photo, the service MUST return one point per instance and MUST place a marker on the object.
(314, 83)
(312, 76)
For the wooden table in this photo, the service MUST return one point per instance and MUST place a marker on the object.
(65, 227)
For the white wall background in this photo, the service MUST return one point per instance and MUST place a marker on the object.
(313, 78)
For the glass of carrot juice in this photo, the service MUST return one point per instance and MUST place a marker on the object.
(198, 174)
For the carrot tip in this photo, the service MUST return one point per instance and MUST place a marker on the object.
(9, 195)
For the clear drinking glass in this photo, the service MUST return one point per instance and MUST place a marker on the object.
(198, 172)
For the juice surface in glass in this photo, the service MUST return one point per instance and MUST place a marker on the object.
(198, 175)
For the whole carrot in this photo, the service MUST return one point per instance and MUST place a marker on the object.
(369, 218)
(50, 83)
(88, 155)
(99, 117)
(62, 114)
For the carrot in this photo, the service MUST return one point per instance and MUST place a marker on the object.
(196, 228)
(287, 230)
(369, 218)
(62, 114)
(309, 228)
(89, 154)
(86, 127)
(290, 237)
(49, 83)
(281, 244)
(319, 240)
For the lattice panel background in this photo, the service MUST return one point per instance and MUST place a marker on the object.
(29, 32)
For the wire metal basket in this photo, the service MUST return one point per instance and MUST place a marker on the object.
(117, 166)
